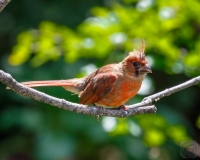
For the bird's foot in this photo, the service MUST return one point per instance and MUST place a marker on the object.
(123, 107)
(125, 110)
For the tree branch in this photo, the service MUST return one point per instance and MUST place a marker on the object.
(144, 107)
(3, 3)
(63, 104)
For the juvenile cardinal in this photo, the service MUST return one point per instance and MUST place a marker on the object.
(109, 86)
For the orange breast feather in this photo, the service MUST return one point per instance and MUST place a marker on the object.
(120, 94)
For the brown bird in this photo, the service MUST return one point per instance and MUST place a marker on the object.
(109, 86)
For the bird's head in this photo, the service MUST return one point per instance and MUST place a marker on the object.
(135, 64)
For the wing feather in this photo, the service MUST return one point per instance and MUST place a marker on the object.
(97, 88)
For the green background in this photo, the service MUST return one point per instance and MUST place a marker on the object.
(46, 39)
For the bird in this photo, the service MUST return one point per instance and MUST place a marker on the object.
(110, 86)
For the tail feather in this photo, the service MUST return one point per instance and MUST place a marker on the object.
(46, 83)
(72, 85)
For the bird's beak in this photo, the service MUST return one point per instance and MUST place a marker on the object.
(145, 69)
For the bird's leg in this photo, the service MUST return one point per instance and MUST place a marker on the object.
(123, 107)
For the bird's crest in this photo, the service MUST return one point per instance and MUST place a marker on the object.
(140, 52)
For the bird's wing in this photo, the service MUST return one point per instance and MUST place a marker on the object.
(97, 88)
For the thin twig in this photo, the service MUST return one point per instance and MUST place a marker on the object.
(3, 3)
(169, 91)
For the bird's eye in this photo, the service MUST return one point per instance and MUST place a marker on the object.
(135, 64)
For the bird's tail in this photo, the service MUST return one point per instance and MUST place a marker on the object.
(73, 85)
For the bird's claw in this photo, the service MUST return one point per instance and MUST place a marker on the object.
(123, 107)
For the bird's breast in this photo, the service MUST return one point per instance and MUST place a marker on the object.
(120, 94)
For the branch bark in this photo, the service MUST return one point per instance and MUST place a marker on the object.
(144, 107)
(3, 3)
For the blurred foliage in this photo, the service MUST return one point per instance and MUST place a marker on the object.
(118, 27)
(65, 39)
